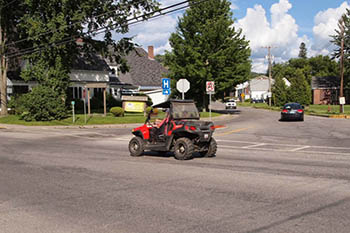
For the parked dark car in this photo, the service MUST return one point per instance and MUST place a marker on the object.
(292, 111)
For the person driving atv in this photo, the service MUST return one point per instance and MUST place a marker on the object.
(157, 128)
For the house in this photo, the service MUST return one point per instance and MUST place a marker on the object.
(256, 89)
(326, 90)
(145, 73)
(100, 74)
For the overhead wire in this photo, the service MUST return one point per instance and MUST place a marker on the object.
(8, 4)
(98, 16)
(98, 31)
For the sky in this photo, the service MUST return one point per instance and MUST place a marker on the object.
(282, 24)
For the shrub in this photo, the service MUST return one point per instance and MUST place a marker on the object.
(17, 104)
(43, 104)
(117, 111)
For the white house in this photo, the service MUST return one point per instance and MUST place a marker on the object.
(256, 89)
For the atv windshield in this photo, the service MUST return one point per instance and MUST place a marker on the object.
(184, 111)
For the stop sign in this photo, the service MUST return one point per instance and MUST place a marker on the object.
(183, 85)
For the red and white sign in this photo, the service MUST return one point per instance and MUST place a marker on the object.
(210, 86)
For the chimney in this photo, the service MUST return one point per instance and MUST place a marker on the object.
(150, 52)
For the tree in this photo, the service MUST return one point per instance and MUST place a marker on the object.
(206, 47)
(279, 91)
(54, 27)
(323, 66)
(299, 90)
(344, 22)
(302, 51)
(8, 34)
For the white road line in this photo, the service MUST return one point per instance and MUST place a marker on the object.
(256, 145)
(300, 148)
(281, 150)
(290, 145)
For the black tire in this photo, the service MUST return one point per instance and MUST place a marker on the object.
(136, 146)
(211, 149)
(183, 149)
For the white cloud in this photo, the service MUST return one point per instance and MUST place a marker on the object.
(155, 31)
(280, 33)
(325, 25)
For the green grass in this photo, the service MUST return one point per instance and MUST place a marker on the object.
(206, 114)
(94, 119)
(313, 109)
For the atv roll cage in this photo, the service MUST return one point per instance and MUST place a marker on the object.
(180, 109)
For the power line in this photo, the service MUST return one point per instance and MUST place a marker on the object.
(98, 31)
(2, 7)
(96, 17)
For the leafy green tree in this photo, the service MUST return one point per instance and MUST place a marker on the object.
(336, 39)
(300, 90)
(206, 47)
(302, 50)
(54, 27)
(279, 91)
(323, 66)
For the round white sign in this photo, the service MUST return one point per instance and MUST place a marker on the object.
(183, 85)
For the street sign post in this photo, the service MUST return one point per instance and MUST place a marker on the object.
(84, 97)
(166, 86)
(210, 88)
(73, 103)
(183, 86)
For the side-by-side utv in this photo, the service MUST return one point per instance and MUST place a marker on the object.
(180, 131)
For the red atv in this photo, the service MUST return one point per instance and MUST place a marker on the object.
(180, 131)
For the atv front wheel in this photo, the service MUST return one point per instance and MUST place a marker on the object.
(136, 146)
(183, 148)
(212, 147)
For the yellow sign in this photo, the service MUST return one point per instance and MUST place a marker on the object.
(130, 106)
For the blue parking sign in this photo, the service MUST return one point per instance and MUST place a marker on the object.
(166, 83)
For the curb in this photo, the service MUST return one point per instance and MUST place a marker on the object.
(331, 116)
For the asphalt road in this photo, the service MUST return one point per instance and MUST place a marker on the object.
(268, 176)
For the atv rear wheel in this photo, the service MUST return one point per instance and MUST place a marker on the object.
(136, 146)
(183, 148)
(212, 147)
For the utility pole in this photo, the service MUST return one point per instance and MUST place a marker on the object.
(3, 71)
(269, 57)
(342, 29)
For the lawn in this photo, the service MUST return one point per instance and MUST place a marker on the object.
(94, 119)
(312, 109)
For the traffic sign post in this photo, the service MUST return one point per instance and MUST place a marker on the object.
(210, 88)
(73, 103)
(183, 86)
(84, 97)
(166, 86)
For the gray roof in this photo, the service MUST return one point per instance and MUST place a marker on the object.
(143, 70)
(93, 63)
(328, 82)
